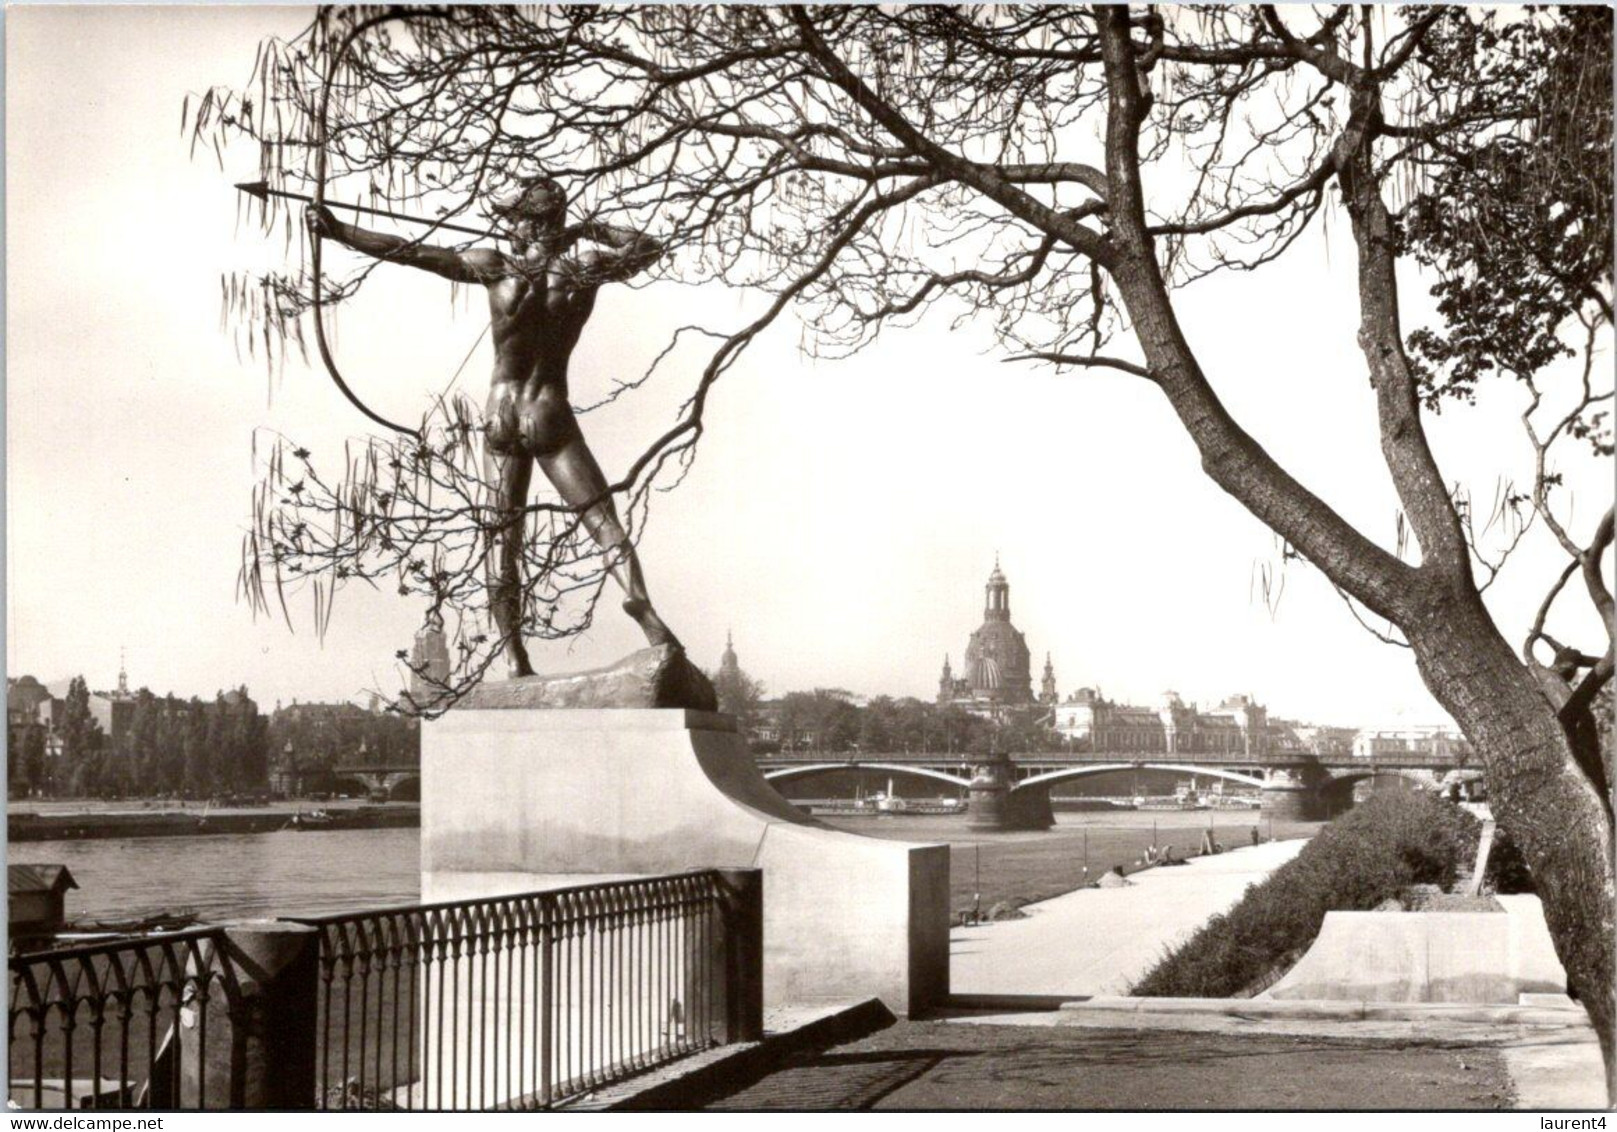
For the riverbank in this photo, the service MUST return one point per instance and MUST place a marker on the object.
(63, 822)
(986, 869)
(285, 873)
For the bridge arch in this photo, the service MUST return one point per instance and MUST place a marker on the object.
(786, 772)
(1050, 777)
(352, 785)
(1420, 776)
(1336, 793)
(406, 788)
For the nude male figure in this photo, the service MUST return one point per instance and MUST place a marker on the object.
(539, 300)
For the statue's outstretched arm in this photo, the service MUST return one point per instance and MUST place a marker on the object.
(475, 265)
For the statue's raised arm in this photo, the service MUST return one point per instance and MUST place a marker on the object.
(618, 254)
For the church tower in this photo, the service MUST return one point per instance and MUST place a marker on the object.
(729, 665)
(429, 662)
(946, 685)
(998, 605)
(1047, 686)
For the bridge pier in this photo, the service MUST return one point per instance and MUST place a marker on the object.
(995, 804)
(1029, 808)
(1288, 798)
(988, 797)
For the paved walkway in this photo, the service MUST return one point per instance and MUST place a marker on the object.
(1098, 941)
(946, 1065)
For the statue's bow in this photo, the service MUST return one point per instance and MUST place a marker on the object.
(319, 200)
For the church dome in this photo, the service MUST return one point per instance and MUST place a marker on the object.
(998, 661)
(986, 676)
(998, 665)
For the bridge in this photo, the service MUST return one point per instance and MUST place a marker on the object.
(379, 779)
(1013, 792)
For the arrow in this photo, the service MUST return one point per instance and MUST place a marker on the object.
(263, 192)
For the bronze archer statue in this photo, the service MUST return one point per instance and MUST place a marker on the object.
(540, 297)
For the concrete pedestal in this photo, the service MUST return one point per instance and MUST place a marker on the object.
(1429, 957)
(516, 799)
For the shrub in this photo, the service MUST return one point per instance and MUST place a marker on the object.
(1373, 852)
(1507, 869)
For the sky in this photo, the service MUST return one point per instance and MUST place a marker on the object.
(840, 520)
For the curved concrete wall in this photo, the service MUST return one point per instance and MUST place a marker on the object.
(520, 799)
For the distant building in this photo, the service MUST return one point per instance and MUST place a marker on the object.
(998, 673)
(429, 667)
(1238, 725)
(767, 730)
(238, 697)
(729, 663)
(33, 716)
(1313, 739)
(1424, 741)
(29, 702)
(114, 710)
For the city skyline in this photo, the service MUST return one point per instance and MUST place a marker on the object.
(124, 687)
(839, 518)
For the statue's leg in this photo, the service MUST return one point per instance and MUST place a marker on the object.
(509, 474)
(578, 479)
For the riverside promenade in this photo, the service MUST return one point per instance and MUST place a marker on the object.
(985, 1053)
(1099, 941)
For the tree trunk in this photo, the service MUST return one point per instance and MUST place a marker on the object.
(1541, 797)
(1538, 794)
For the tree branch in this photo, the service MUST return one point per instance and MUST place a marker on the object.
(984, 179)
(1094, 361)
(1230, 456)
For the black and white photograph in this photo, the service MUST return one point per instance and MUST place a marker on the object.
(513, 516)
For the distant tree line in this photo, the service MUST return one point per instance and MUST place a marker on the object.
(893, 724)
(170, 746)
(828, 719)
(310, 740)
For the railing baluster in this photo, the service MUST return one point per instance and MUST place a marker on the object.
(522, 1087)
(546, 1046)
(415, 1064)
(70, 1009)
(454, 1025)
(40, 1009)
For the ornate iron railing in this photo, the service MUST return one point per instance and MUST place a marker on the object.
(132, 1015)
(521, 1001)
(514, 1002)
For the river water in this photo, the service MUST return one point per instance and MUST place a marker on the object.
(288, 873)
(236, 876)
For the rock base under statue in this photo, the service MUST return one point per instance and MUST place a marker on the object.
(516, 798)
(657, 677)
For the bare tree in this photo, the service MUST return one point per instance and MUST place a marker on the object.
(1054, 173)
